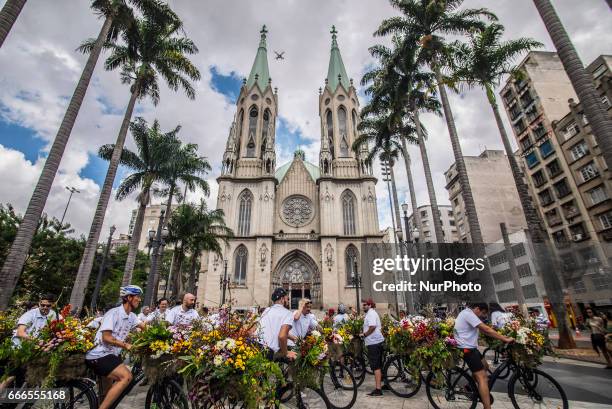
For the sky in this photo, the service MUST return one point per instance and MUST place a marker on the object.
(39, 68)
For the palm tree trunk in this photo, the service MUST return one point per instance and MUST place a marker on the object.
(169, 204)
(488, 288)
(192, 274)
(416, 217)
(395, 198)
(130, 261)
(582, 81)
(545, 262)
(176, 272)
(8, 16)
(19, 249)
(428, 180)
(80, 284)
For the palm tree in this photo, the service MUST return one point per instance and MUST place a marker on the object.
(149, 51)
(581, 80)
(8, 16)
(428, 20)
(118, 18)
(150, 165)
(483, 63)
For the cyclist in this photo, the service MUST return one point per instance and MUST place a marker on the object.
(160, 311)
(183, 313)
(341, 317)
(467, 325)
(104, 358)
(35, 319)
(274, 326)
(373, 340)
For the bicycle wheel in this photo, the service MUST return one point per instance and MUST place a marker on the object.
(494, 360)
(357, 366)
(167, 394)
(338, 387)
(80, 395)
(399, 379)
(366, 362)
(310, 399)
(453, 388)
(530, 388)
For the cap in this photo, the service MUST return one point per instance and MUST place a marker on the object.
(278, 294)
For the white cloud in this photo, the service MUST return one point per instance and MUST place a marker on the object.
(40, 69)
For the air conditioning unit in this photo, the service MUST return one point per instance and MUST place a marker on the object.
(577, 237)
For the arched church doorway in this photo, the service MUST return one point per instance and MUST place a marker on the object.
(297, 273)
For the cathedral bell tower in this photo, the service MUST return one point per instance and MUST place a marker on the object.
(249, 152)
(339, 113)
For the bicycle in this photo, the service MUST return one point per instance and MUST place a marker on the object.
(527, 387)
(398, 377)
(339, 386)
(494, 358)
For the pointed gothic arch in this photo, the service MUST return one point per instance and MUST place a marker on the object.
(354, 120)
(298, 273)
(329, 123)
(251, 146)
(241, 258)
(342, 127)
(349, 211)
(245, 205)
(264, 132)
(351, 260)
(240, 131)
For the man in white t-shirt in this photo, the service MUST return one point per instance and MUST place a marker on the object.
(341, 317)
(160, 312)
(185, 313)
(30, 323)
(274, 326)
(304, 320)
(110, 339)
(467, 325)
(146, 310)
(374, 342)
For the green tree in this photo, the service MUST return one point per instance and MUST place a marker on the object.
(146, 53)
(118, 19)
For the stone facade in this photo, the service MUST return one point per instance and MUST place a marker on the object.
(298, 226)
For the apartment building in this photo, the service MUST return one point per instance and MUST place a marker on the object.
(495, 196)
(428, 234)
(564, 169)
(150, 222)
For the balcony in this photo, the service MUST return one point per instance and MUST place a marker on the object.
(526, 100)
(515, 112)
(296, 236)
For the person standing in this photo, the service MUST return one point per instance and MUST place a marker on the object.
(374, 340)
(146, 310)
(598, 335)
(35, 319)
(499, 316)
(274, 326)
(341, 317)
(160, 312)
(184, 313)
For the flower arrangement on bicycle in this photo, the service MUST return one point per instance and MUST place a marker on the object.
(532, 342)
(335, 343)
(349, 332)
(226, 362)
(311, 362)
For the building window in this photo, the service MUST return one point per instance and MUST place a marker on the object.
(605, 101)
(553, 168)
(344, 147)
(526, 142)
(240, 126)
(330, 132)
(532, 159)
(538, 178)
(599, 71)
(562, 188)
(253, 113)
(559, 237)
(598, 195)
(606, 220)
(264, 132)
(348, 213)
(244, 213)
(519, 126)
(579, 150)
(545, 197)
(354, 117)
(569, 209)
(570, 130)
(240, 265)
(601, 283)
(350, 259)
(508, 95)
(526, 99)
(518, 250)
(588, 172)
(515, 111)
(451, 222)
(524, 270)
(531, 114)
(579, 287)
(540, 131)
(585, 120)
(577, 232)
(423, 214)
(498, 258)
(546, 149)
(427, 233)
(553, 217)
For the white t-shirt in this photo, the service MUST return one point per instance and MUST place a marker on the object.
(340, 319)
(142, 317)
(499, 319)
(34, 321)
(270, 323)
(178, 316)
(302, 325)
(120, 323)
(466, 331)
(373, 320)
(95, 323)
(156, 315)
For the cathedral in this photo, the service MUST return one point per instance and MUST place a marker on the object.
(299, 226)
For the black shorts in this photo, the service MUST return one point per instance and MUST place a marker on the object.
(105, 365)
(599, 342)
(375, 356)
(473, 359)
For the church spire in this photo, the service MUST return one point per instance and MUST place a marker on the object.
(260, 74)
(336, 73)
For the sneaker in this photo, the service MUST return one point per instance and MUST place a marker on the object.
(385, 387)
(376, 392)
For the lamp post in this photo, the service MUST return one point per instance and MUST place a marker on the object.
(94, 297)
(155, 242)
(412, 237)
(72, 191)
(224, 282)
(356, 281)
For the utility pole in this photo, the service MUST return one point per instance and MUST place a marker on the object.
(72, 191)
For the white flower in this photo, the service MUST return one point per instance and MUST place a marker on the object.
(218, 360)
(316, 334)
(522, 334)
(230, 343)
(221, 344)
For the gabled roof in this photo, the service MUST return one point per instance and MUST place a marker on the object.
(336, 66)
(313, 170)
(260, 65)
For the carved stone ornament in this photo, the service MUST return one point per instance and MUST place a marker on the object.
(225, 196)
(329, 255)
(328, 197)
(297, 210)
(263, 255)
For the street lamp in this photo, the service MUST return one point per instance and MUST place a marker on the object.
(356, 281)
(223, 282)
(94, 297)
(72, 191)
(155, 242)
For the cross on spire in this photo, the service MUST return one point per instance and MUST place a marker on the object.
(334, 32)
(264, 31)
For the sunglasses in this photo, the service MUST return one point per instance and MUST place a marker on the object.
(41, 305)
